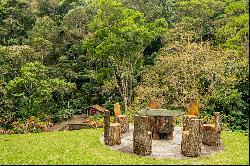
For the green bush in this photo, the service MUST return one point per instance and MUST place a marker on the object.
(63, 114)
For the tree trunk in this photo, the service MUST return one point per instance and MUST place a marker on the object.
(114, 134)
(192, 139)
(106, 125)
(187, 121)
(142, 138)
(123, 120)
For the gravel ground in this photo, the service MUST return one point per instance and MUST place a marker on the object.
(160, 148)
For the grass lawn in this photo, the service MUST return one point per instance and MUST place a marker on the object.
(84, 147)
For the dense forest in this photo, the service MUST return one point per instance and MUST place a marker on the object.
(58, 57)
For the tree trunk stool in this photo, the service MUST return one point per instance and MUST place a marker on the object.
(114, 134)
(212, 132)
(142, 136)
(123, 120)
(187, 121)
(192, 139)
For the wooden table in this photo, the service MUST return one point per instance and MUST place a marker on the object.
(162, 122)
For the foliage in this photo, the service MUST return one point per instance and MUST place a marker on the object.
(31, 125)
(75, 23)
(198, 25)
(119, 35)
(16, 20)
(235, 32)
(33, 93)
(152, 9)
(96, 121)
(63, 114)
(13, 57)
(197, 71)
(101, 48)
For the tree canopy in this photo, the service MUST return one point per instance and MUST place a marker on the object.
(58, 57)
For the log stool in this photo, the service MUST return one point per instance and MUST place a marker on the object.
(114, 134)
(112, 131)
(192, 139)
(123, 120)
(187, 121)
(212, 132)
(142, 137)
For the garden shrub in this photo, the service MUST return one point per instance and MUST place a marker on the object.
(31, 125)
(63, 114)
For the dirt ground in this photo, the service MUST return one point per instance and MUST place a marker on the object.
(161, 148)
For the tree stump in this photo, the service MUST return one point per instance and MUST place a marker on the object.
(123, 120)
(212, 132)
(106, 126)
(114, 134)
(187, 121)
(162, 125)
(142, 138)
(192, 139)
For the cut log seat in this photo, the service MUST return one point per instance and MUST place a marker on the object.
(212, 132)
(114, 134)
(211, 136)
(123, 120)
(192, 139)
(142, 136)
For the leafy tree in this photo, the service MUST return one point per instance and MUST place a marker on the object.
(75, 24)
(15, 20)
(235, 32)
(120, 35)
(33, 93)
(45, 28)
(152, 9)
(12, 58)
(42, 47)
(57, 9)
(197, 71)
(195, 20)
(44, 37)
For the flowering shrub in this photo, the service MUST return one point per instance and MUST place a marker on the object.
(32, 125)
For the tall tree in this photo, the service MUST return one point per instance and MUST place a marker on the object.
(120, 36)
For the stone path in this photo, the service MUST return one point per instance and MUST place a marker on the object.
(76, 119)
(160, 148)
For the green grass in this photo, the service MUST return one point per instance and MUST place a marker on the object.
(84, 147)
